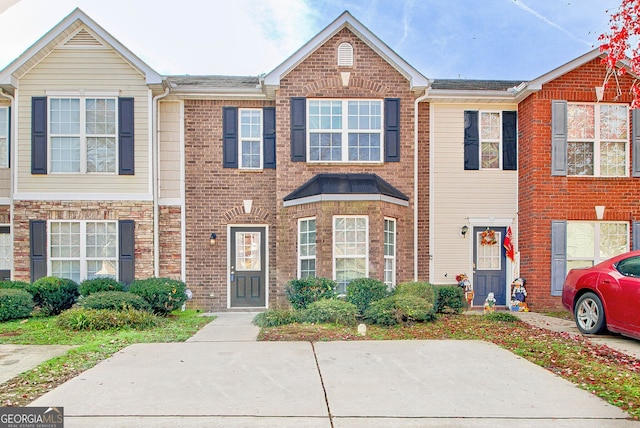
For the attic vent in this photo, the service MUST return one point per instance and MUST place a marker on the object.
(82, 39)
(345, 55)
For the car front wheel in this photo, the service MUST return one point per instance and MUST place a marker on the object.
(589, 314)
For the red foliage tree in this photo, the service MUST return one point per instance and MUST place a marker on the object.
(621, 44)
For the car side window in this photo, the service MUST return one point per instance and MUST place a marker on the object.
(629, 267)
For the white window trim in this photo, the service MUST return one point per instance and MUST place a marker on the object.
(597, 141)
(83, 131)
(490, 140)
(83, 247)
(345, 132)
(393, 257)
(4, 110)
(361, 256)
(596, 239)
(260, 140)
(300, 257)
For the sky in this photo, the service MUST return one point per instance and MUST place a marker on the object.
(468, 39)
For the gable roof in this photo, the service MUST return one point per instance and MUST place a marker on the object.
(64, 30)
(416, 80)
(347, 187)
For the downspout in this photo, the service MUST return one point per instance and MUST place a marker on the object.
(415, 181)
(155, 138)
(12, 151)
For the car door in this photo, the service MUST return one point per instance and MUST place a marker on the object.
(628, 296)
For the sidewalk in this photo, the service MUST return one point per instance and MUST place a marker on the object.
(222, 377)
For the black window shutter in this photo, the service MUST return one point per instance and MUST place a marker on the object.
(471, 141)
(229, 137)
(38, 249)
(392, 129)
(509, 140)
(558, 256)
(558, 138)
(126, 242)
(126, 140)
(39, 135)
(635, 142)
(269, 137)
(298, 129)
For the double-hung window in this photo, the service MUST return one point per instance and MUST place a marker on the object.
(589, 243)
(597, 140)
(490, 140)
(82, 250)
(306, 247)
(250, 138)
(345, 130)
(83, 135)
(350, 249)
(4, 137)
(390, 252)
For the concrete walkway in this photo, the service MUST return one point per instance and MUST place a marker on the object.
(222, 377)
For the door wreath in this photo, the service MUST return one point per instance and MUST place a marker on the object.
(488, 237)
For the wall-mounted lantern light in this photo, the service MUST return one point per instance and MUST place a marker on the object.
(212, 239)
(463, 230)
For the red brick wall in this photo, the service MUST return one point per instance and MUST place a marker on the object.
(423, 191)
(169, 222)
(543, 198)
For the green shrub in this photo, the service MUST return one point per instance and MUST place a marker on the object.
(21, 285)
(115, 300)
(106, 319)
(449, 299)
(501, 316)
(163, 294)
(276, 317)
(53, 295)
(302, 292)
(418, 289)
(96, 285)
(15, 303)
(362, 291)
(400, 309)
(330, 311)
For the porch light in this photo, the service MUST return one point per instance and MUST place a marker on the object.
(212, 239)
(463, 230)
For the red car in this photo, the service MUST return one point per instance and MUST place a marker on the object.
(606, 296)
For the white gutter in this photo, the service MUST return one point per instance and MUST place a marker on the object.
(12, 156)
(155, 138)
(415, 182)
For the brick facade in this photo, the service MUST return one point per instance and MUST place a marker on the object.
(170, 240)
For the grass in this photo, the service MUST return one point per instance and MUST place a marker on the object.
(605, 372)
(91, 348)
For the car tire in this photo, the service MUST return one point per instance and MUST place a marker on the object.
(589, 314)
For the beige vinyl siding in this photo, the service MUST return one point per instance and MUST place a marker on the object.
(170, 143)
(459, 194)
(90, 70)
(5, 183)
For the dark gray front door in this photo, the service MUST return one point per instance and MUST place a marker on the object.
(489, 263)
(247, 267)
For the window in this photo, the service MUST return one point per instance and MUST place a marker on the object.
(345, 55)
(390, 252)
(4, 137)
(345, 130)
(250, 138)
(306, 247)
(83, 135)
(248, 251)
(350, 249)
(589, 243)
(597, 136)
(490, 138)
(83, 249)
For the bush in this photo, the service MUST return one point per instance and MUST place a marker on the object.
(106, 319)
(302, 292)
(501, 316)
(362, 291)
(163, 294)
(449, 299)
(15, 303)
(276, 317)
(418, 289)
(331, 311)
(53, 295)
(21, 285)
(114, 300)
(400, 309)
(96, 285)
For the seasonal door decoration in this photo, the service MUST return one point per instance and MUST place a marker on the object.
(463, 281)
(518, 296)
(488, 237)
